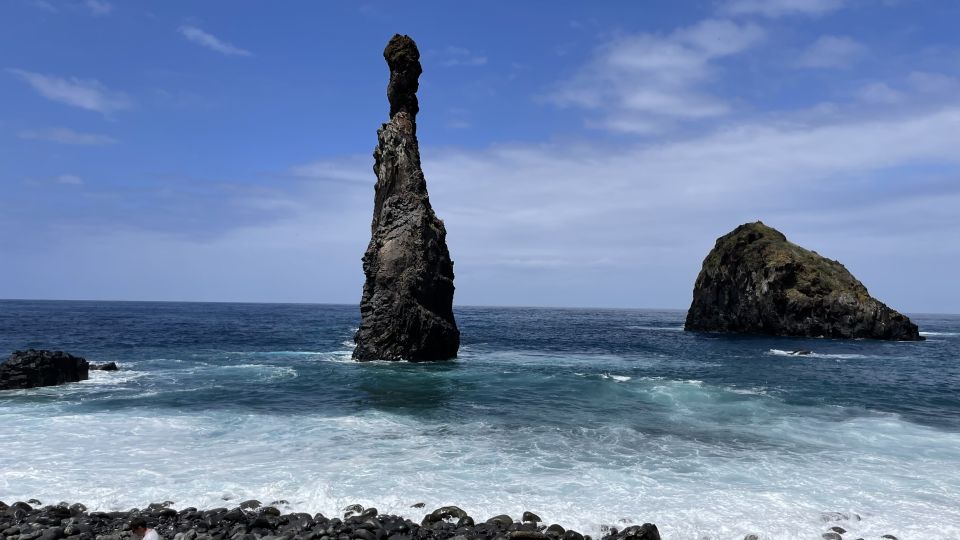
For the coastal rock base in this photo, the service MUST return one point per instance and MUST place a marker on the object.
(33, 368)
(253, 521)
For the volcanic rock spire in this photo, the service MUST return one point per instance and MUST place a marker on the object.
(407, 305)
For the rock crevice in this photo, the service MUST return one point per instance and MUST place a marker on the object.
(756, 281)
(407, 304)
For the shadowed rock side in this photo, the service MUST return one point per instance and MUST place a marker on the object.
(33, 368)
(407, 305)
(756, 281)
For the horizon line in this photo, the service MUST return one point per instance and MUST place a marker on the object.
(358, 305)
(515, 306)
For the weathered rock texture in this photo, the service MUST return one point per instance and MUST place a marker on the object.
(407, 304)
(756, 281)
(32, 368)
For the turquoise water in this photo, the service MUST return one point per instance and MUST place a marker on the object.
(586, 417)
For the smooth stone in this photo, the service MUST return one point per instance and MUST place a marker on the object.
(502, 520)
(528, 535)
(251, 504)
(572, 535)
(53, 533)
(234, 515)
(555, 531)
(831, 536)
(418, 505)
(531, 517)
(363, 534)
(647, 531)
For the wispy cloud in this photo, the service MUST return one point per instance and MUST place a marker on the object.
(98, 7)
(87, 94)
(205, 39)
(67, 136)
(458, 56)
(562, 208)
(69, 179)
(640, 83)
(879, 93)
(44, 5)
(780, 8)
(832, 52)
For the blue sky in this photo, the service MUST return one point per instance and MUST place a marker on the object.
(580, 154)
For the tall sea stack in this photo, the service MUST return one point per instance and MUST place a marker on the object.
(407, 305)
(756, 281)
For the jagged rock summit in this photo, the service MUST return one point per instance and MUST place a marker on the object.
(407, 305)
(33, 368)
(756, 281)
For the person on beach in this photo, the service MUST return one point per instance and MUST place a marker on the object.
(138, 526)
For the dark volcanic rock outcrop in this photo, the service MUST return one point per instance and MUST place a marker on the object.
(32, 368)
(756, 281)
(407, 304)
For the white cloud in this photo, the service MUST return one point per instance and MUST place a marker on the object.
(642, 82)
(832, 52)
(780, 8)
(575, 207)
(98, 7)
(69, 179)
(934, 83)
(879, 93)
(211, 42)
(567, 224)
(87, 94)
(919, 87)
(458, 56)
(67, 136)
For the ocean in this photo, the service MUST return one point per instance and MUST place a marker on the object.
(588, 417)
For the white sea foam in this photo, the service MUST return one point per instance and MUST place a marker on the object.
(735, 462)
(618, 378)
(840, 356)
(278, 353)
(940, 334)
(689, 488)
(664, 328)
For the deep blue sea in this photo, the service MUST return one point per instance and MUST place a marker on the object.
(587, 417)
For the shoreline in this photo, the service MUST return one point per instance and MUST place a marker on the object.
(252, 520)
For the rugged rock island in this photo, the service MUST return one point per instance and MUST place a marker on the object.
(407, 305)
(756, 281)
(33, 368)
